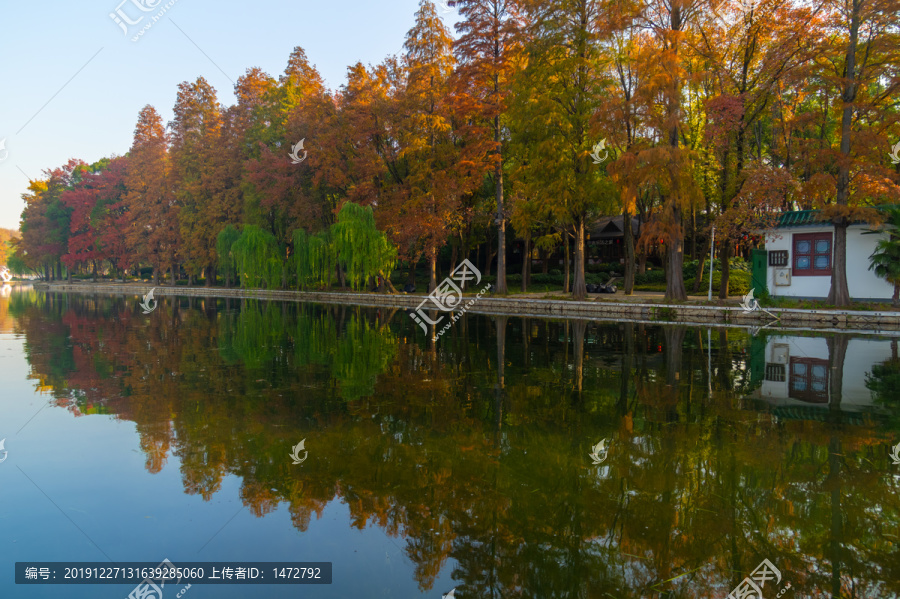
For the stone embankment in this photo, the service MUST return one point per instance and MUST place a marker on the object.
(603, 309)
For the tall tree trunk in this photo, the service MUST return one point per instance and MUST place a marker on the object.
(432, 268)
(568, 259)
(674, 345)
(839, 294)
(526, 261)
(454, 254)
(701, 268)
(210, 276)
(488, 258)
(629, 252)
(174, 271)
(411, 277)
(94, 270)
(693, 233)
(500, 288)
(725, 261)
(674, 274)
(579, 290)
(675, 261)
(579, 328)
(386, 285)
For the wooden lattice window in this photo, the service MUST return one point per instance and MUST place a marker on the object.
(812, 254)
(809, 380)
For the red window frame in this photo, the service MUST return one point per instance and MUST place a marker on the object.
(796, 255)
(802, 385)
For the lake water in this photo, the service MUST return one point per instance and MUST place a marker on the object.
(459, 464)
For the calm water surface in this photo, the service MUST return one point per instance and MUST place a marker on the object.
(462, 463)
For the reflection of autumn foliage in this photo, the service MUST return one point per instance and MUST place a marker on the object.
(489, 473)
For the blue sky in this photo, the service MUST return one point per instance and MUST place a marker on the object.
(72, 83)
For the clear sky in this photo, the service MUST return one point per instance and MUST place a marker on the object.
(72, 83)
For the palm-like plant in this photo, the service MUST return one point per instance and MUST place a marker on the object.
(885, 260)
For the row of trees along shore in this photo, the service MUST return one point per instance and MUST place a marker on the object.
(711, 112)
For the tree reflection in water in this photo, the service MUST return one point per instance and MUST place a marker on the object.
(475, 448)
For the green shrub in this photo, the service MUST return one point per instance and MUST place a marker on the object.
(548, 279)
(738, 282)
(651, 277)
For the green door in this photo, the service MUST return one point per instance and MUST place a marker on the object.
(758, 269)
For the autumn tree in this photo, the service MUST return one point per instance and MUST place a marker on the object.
(96, 199)
(747, 50)
(861, 65)
(194, 154)
(46, 220)
(489, 42)
(152, 214)
(623, 115)
(671, 171)
(556, 98)
(281, 193)
(425, 135)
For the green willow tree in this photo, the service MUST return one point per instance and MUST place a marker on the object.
(224, 244)
(353, 246)
(313, 258)
(361, 249)
(257, 257)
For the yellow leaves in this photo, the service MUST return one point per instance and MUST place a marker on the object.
(850, 214)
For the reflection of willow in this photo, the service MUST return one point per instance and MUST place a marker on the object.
(255, 336)
(695, 492)
(355, 351)
(355, 356)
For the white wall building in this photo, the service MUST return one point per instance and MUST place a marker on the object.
(800, 259)
(797, 372)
